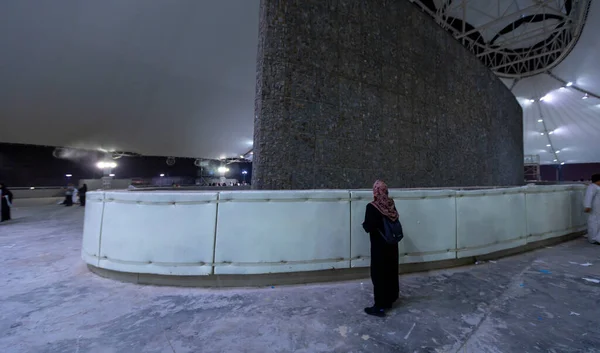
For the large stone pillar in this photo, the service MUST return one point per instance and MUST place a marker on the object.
(350, 91)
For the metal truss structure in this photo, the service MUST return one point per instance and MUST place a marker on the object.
(532, 167)
(514, 38)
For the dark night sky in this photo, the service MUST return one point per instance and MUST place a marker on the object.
(159, 78)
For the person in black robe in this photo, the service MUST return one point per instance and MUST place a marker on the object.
(384, 256)
(69, 195)
(82, 191)
(5, 203)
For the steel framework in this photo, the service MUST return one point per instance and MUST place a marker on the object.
(519, 38)
(532, 167)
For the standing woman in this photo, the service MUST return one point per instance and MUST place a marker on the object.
(69, 195)
(5, 203)
(82, 192)
(592, 206)
(384, 256)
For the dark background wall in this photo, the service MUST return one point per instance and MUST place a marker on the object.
(350, 91)
(569, 172)
(30, 165)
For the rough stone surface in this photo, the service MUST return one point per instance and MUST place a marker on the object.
(51, 303)
(349, 91)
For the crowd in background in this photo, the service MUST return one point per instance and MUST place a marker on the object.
(74, 195)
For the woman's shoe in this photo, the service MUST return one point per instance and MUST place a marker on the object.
(375, 311)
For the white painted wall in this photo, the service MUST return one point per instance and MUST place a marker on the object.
(250, 232)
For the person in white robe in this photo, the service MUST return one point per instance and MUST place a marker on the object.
(75, 194)
(591, 205)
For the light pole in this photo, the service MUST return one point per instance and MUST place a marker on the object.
(107, 167)
(222, 170)
(244, 172)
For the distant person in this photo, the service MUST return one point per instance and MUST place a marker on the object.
(75, 194)
(69, 195)
(384, 256)
(5, 203)
(591, 204)
(82, 192)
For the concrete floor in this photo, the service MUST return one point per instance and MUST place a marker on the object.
(50, 302)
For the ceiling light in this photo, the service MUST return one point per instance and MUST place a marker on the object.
(548, 145)
(162, 175)
(557, 151)
(541, 133)
(563, 88)
(540, 120)
(531, 100)
(551, 132)
(556, 160)
(585, 97)
(563, 163)
(111, 175)
(68, 175)
(241, 156)
(569, 84)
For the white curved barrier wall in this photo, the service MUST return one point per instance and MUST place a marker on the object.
(92, 228)
(253, 232)
(429, 216)
(547, 214)
(282, 231)
(489, 221)
(161, 233)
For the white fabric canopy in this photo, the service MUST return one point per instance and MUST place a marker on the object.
(573, 121)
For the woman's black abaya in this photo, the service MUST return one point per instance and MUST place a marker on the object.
(384, 261)
(4, 207)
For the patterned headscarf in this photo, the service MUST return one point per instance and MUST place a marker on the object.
(383, 202)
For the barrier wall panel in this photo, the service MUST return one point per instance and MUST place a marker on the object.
(159, 232)
(428, 219)
(490, 220)
(92, 226)
(578, 217)
(548, 212)
(173, 233)
(282, 231)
